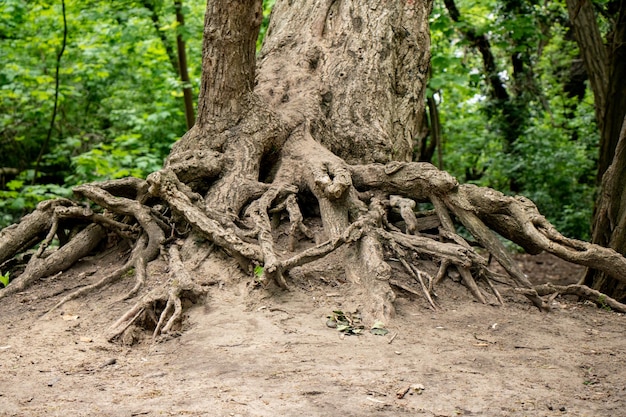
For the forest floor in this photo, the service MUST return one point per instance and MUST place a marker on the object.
(253, 352)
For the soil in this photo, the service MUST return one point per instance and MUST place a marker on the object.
(248, 351)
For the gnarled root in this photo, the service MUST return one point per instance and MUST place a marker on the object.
(64, 257)
(180, 285)
(373, 212)
(602, 300)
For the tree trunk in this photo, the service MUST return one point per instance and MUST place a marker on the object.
(178, 60)
(593, 51)
(314, 143)
(615, 106)
(349, 88)
(182, 66)
(606, 67)
(609, 227)
(356, 73)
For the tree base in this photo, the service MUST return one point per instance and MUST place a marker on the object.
(380, 240)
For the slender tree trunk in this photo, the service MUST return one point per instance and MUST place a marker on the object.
(606, 68)
(169, 50)
(178, 60)
(609, 227)
(182, 65)
(605, 63)
(615, 102)
(593, 52)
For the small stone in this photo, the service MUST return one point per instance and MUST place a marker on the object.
(109, 362)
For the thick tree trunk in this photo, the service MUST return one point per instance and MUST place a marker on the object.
(355, 72)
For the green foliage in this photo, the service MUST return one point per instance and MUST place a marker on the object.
(120, 102)
(546, 145)
(4, 279)
(258, 271)
(601, 302)
(20, 197)
(267, 10)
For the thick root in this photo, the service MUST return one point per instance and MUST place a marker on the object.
(369, 212)
(64, 257)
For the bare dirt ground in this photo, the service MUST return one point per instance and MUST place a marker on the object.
(253, 352)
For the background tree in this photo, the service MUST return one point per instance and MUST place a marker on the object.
(495, 64)
(605, 62)
(178, 60)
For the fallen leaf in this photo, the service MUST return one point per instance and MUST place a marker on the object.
(418, 388)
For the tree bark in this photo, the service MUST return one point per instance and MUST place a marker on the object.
(609, 227)
(606, 67)
(228, 59)
(615, 105)
(182, 66)
(593, 52)
(356, 70)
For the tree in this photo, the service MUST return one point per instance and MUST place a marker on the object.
(513, 114)
(179, 62)
(313, 140)
(606, 68)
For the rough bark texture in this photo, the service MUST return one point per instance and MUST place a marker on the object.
(616, 91)
(605, 63)
(182, 66)
(609, 228)
(356, 71)
(315, 144)
(592, 50)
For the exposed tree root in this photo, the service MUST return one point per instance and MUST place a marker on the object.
(34, 226)
(602, 300)
(80, 246)
(372, 211)
(137, 262)
(180, 285)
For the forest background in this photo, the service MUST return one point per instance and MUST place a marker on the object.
(93, 90)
